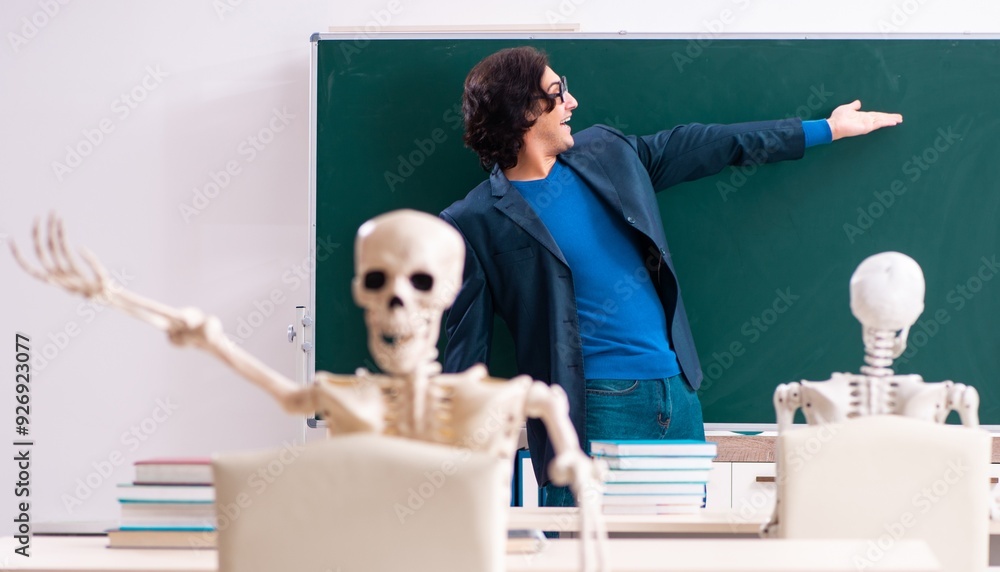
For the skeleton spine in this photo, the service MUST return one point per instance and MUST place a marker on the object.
(878, 353)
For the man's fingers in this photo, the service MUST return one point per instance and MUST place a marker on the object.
(873, 120)
(890, 117)
(887, 119)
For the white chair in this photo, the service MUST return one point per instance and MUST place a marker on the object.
(360, 502)
(886, 478)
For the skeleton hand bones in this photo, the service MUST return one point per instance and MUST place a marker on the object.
(184, 327)
(58, 266)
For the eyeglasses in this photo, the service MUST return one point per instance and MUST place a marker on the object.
(562, 91)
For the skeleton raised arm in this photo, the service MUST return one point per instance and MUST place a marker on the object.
(408, 267)
(57, 265)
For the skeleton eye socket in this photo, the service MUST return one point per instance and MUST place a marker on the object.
(422, 281)
(374, 280)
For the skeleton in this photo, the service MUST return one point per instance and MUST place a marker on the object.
(408, 267)
(887, 297)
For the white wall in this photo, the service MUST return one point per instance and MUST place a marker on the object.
(210, 75)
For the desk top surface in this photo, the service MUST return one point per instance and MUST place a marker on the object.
(703, 522)
(89, 554)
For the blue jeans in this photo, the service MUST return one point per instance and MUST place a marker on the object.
(665, 408)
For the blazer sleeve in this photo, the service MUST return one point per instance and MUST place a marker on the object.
(469, 322)
(693, 151)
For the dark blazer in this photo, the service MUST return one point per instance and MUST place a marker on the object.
(514, 269)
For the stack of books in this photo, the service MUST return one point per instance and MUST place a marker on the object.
(170, 504)
(654, 477)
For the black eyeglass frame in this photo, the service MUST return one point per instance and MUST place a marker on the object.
(563, 90)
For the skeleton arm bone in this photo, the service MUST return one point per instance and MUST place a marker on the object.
(205, 332)
(187, 326)
(549, 403)
(965, 400)
(349, 404)
(787, 400)
(571, 466)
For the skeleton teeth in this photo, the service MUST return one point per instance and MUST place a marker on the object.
(398, 339)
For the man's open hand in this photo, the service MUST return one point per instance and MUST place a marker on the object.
(848, 120)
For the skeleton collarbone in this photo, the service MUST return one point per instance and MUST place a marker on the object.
(466, 409)
(851, 395)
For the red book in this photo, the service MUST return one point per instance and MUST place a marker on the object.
(174, 471)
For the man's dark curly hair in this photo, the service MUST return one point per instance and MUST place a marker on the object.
(501, 93)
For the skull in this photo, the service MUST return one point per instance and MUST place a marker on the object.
(407, 271)
(887, 293)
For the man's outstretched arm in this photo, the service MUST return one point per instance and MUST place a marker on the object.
(693, 151)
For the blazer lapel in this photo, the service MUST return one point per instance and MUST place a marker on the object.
(628, 204)
(593, 173)
(516, 208)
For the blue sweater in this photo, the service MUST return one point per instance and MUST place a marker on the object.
(622, 323)
(623, 326)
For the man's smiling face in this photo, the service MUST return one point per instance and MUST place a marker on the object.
(551, 129)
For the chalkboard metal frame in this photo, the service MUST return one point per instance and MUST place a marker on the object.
(316, 38)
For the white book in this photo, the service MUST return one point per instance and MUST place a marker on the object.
(651, 509)
(697, 499)
(168, 514)
(658, 476)
(188, 493)
(174, 471)
(655, 448)
(632, 462)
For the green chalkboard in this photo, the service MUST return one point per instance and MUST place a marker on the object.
(763, 255)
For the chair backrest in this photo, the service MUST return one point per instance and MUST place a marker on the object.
(361, 502)
(886, 478)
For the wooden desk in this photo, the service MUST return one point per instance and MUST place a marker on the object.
(702, 523)
(88, 554)
(730, 555)
(760, 448)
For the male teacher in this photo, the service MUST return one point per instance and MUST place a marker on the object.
(565, 243)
